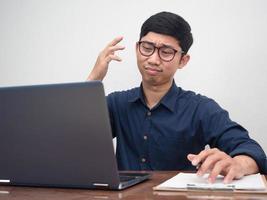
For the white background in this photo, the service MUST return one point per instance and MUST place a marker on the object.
(55, 41)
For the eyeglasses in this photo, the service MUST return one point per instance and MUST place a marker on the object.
(166, 53)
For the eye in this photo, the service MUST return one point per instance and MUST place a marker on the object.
(167, 51)
(147, 47)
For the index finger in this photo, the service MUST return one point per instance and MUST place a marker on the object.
(115, 41)
(201, 157)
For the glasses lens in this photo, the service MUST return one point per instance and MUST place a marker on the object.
(166, 53)
(146, 48)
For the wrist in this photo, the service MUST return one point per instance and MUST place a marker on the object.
(93, 77)
(249, 165)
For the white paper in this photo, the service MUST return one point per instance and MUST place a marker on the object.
(185, 180)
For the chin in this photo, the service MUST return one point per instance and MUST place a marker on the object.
(151, 80)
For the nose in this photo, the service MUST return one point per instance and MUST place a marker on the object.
(154, 58)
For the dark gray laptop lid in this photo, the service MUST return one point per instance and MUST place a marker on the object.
(56, 135)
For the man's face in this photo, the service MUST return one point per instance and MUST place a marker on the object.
(154, 70)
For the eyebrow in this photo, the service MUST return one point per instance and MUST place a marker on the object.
(161, 45)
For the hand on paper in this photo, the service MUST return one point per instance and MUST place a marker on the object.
(215, 162)
(105, 56)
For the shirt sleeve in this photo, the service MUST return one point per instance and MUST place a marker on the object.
(221, 132)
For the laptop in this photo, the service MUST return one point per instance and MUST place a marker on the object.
(59, 135)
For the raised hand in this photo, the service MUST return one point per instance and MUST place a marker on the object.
(105, 56)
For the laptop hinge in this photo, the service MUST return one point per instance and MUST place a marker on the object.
(120, 186)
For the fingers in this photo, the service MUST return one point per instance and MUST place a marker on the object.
(201, 157)
(100, 69)
(108, 53)
(226, 166)
(113, 57)
(211, 158)
(190, 157)
(216, 162)
(231, 175)
(116, 48)
(218, 168)
(115, 41)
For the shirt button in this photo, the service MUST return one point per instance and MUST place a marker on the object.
(145, 137)
(148, 113)
(143, 160)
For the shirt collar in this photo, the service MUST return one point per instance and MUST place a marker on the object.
(138, 95)
(169, 100)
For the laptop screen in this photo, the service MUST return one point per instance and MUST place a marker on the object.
(56, 134)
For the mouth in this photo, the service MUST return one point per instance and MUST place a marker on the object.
(152, 70)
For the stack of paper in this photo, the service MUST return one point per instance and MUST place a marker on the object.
(185, 181)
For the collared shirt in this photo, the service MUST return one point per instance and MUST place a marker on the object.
(181, 123)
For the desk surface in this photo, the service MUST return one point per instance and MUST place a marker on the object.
(140, 191)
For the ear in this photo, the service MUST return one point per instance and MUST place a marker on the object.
(183, 61)
(136, 47)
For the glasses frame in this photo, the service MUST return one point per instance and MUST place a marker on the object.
(158, 48)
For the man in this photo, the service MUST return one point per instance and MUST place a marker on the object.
(160, 126)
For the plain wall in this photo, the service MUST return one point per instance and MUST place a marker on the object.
(55, 41)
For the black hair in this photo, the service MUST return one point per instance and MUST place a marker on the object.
(170, 24)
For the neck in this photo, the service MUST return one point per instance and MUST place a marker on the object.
(154, 93)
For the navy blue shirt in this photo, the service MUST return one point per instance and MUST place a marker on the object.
(181, 123)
